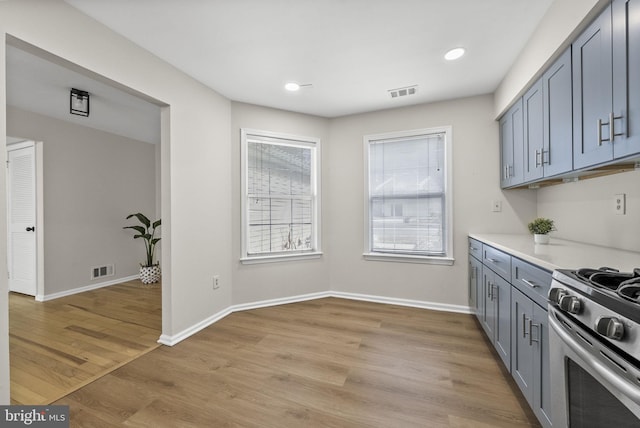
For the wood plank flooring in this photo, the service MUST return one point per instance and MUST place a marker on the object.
(61, 345)
(323, 363)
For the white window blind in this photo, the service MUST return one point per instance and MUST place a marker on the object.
(407, 194)
(280, 195)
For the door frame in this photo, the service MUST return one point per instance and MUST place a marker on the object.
(39, 172)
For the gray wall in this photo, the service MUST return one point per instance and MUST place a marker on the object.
(92, 181)
(267, 281)
(475, 186)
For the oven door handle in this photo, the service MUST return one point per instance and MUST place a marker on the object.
(618, 382)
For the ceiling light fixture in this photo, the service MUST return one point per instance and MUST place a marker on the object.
(293, 86)
(79, 102)
(454, 54)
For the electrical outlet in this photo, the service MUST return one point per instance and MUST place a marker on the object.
(216, 282)
(496, 206)
(620, 205)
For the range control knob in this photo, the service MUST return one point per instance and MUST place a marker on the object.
(555, 294)
(570, 304)
(610, 327)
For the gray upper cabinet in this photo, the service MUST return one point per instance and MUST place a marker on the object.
(511, 146)
(533, 111)
(548, 135)
(626, 85)
(556, 155)
(592, 93)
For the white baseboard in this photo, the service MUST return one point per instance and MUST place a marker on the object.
(171, 340)
(403, 302)
(47, 297)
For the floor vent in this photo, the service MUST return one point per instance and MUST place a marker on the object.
(101, 271)
(403, 92)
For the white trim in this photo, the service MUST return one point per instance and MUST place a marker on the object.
(280, 258)
(408, 258)
(281, 301)
(448, 191)
(171, 340)
(47, 297)
(442, 307)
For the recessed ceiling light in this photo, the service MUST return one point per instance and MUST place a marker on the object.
(292, 86)
(454, 54)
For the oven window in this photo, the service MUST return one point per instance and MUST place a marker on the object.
(592, 405)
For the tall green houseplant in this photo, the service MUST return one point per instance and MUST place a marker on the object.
(147, 232)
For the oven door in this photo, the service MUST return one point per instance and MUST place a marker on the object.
(591, 385)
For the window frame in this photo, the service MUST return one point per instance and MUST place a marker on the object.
(447, 258)
(279, 138)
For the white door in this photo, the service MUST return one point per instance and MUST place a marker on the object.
(21, 205)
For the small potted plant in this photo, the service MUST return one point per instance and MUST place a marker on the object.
(149, 271)
(540, 227)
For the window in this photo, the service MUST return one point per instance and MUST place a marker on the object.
(280, 202)
(408, 196)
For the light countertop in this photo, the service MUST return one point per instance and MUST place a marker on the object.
(561, 254)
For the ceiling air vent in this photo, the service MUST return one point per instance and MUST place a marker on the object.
(403, 92)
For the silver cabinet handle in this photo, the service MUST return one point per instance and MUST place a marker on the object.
(542, 153)
(489, 259)
(531, 325)
(529, 283)
(612, 120)
(524, 325)
(538, 162)
(600, 124)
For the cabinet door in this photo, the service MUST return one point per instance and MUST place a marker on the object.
(542, 382)
(502, 307)
(475, 285)
(533, 111)
(521, 349)
(626, 68)
(488, 311)
(592, 93)
(512, 146)
(557, 151)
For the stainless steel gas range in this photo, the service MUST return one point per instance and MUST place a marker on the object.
(594, 318)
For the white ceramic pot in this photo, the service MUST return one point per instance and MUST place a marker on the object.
(150, 274)
(540, 239)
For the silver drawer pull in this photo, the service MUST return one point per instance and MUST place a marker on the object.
(492, 260)
(530, 284)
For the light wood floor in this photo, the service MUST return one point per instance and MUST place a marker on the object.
(322, 363)
(61, 345)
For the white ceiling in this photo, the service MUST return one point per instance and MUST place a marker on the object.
(350, 51)
(41, 86)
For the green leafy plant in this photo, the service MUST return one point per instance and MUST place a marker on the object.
(147, 232)
(541, 226)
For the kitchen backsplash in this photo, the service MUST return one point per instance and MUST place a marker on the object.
(585, 210)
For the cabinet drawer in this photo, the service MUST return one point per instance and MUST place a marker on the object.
(497, 261)
(531, 280)
(475, 248)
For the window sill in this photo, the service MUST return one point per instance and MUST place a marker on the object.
(407, 258)
(280, 258)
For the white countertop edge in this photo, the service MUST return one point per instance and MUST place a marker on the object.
(560, 253)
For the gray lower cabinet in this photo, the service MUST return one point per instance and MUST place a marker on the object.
(510, 303)
(496, 313)
(475, 284)
(530, 353)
